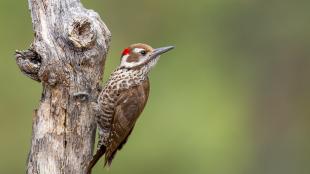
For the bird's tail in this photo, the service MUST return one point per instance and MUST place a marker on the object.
(109, 158)
(100, 152)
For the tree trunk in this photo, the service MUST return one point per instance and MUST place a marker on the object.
(68, 56)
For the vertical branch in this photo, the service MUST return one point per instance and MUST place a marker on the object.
(68, 56)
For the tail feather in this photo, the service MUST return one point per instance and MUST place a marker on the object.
(100, 152)
(111, 152)
(109, 158)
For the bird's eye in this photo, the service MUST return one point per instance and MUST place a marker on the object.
(143, 53)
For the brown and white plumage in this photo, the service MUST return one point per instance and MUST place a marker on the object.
(129, 106)
(123, 98)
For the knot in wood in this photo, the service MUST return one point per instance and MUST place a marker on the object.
(81, 96)
(82, 33)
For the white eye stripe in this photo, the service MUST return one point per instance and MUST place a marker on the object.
(138, 50)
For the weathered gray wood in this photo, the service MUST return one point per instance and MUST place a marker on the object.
(68, 56)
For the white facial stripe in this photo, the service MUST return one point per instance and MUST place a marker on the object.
(124, 62)
(138, 50)
(128, 64)
(125, 57)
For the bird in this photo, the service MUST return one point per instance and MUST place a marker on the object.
(123, 98)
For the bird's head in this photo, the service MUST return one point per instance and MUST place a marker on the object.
(139, 55)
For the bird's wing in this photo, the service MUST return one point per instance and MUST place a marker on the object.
(130, 104)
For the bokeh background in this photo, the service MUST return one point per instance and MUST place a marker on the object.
(232, 98)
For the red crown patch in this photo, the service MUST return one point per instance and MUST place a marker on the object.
(126, 51)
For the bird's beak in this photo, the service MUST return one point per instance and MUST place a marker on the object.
(158, 51)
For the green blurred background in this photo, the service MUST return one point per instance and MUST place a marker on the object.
(232, 98)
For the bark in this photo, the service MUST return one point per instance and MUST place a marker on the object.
(67, 56)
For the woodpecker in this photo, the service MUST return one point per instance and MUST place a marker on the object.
(123, 98)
